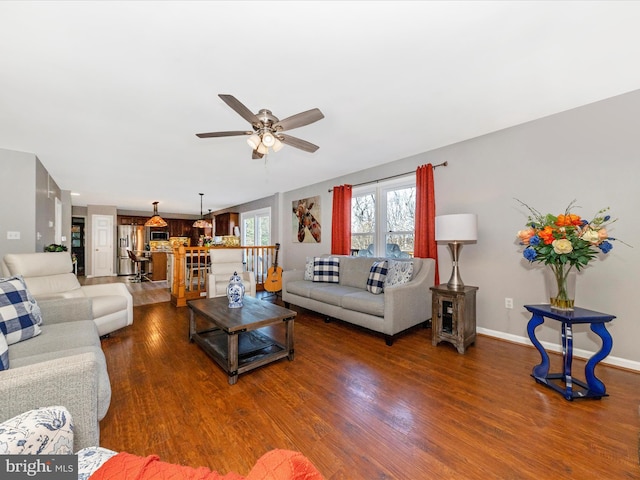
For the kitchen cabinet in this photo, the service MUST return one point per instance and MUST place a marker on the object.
(225, 223)
(158, 266)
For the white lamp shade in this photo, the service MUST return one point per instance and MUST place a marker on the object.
(268, 139)
(262, 149)
(278, 145)
(460, 227)
(253, 141)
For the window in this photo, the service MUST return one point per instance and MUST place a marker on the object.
(256, 227)
(391, 205)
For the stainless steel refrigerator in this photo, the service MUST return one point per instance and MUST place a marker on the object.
(130, 237)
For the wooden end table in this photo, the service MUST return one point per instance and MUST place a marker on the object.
(230, 335)
(593, 388)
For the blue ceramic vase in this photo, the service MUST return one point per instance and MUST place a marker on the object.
(235, 291)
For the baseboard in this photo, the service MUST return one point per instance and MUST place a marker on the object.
(552, 347)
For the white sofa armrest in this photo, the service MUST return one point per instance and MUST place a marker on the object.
(111, 289)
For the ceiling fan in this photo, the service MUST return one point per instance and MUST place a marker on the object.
(267, 128)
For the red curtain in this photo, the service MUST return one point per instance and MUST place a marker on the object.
(425, 236)
(341, 220)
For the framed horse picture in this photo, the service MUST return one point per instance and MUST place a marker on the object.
(306, 220)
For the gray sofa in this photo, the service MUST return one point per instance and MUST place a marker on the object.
(398, 308)
(63, 365)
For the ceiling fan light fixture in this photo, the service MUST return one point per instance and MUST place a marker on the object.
(277, 146)
(268, 139)
(253, 141)
(262, 150)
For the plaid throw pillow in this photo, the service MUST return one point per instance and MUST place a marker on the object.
(20, 316)
(377, 276)
(326, 270)
(4, 353)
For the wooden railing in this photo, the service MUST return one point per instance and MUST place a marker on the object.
(189, 267)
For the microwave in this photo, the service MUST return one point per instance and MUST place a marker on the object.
(159, 235)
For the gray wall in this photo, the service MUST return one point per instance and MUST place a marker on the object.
(28, 198)
(589, 154)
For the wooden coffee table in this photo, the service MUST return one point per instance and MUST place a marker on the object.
(230, 335)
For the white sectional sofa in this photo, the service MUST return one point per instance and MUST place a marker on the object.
(49, 275)
(398, 308)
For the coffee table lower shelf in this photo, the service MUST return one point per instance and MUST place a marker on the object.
(253, 348)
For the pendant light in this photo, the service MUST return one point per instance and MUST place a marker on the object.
(156, 220)
(202, 223)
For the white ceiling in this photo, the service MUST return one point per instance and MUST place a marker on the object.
(109, 95)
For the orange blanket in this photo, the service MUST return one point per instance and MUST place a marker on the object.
(273, 465)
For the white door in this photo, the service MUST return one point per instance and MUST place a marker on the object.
(102, 237)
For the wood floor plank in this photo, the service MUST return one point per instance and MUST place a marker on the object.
(359, 409)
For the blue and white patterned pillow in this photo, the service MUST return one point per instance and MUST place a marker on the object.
(42, 431)
(4, 353)
(20, 316)
(90, 459)
(308, 269)
(399, 272)
(377, 276)
(326, 269)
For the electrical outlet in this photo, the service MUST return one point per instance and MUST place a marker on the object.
(508, 303)
(13, 235)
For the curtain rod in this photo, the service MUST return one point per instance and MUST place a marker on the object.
(443, 164)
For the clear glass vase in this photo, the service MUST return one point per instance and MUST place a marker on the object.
(561, 286)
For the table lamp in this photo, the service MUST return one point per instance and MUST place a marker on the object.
(456, 230)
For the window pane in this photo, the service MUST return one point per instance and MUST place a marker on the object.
(249, 232)
(401, 207)
(363, 221)
(264, 232)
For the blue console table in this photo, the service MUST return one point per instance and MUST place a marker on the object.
(593, 388)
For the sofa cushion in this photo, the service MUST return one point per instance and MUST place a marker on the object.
(42, 431)
(326, 270)
(399, 272)
(365, 302)
(49, 286)
(355, 271)
(4, 353)
(55, 339)
(38, 264)
(20, 316)
(303, 288)
(377, 276)
(332, 294)
(108, 304)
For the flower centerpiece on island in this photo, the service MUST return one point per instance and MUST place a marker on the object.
(563, 242)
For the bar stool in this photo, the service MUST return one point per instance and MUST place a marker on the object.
(141, 275)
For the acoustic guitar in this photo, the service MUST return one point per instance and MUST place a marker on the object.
(274, 275)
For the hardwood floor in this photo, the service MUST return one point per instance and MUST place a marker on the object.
(361, 410)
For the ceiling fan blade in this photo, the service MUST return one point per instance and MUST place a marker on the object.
(240, 109)
(299, 120)
(223, 134)
(298, 143)
(256, 155)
